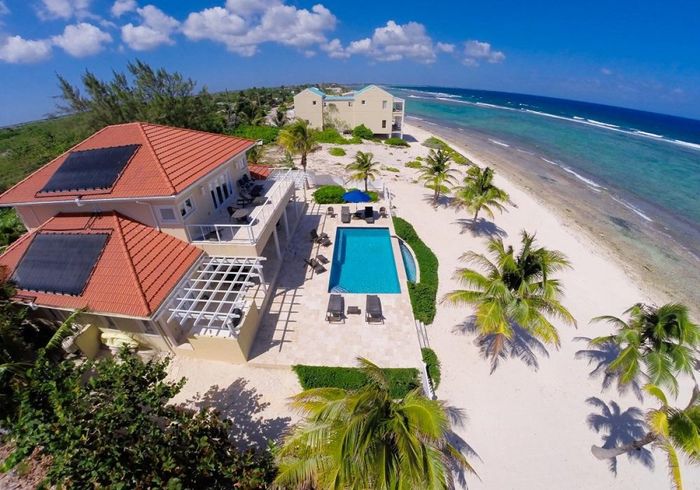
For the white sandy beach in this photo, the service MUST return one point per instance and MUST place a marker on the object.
(527, 423)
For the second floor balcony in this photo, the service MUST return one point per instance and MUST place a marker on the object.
(398, 105)
(250, 221)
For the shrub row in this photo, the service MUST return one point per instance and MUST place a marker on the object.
(332, 136)
(424, 293)
(438, 144)
(333, 194)
(432, 363)
(396, 142)
(267, 134)
(401, 380)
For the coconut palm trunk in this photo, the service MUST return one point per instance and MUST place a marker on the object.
(603, 453)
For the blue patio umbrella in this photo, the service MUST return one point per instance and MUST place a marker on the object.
(356, 195)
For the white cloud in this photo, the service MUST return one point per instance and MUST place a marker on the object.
(82, 39)
(155, 29)
(334, 49)
(121, 7)
(245, 24)
(16, 49)
(445, 47)
(3, 8)
(63, 9)
(476, 51)
(606, 71)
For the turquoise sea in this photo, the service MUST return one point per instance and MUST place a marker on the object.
(646, 163)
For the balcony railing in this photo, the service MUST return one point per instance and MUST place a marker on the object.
(246, 233)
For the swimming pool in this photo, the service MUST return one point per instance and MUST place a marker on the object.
(409, 262)
(363, 262)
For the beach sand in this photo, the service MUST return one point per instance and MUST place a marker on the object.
(526, 419)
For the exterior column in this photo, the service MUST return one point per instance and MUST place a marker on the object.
(286, 223)
(277, 243)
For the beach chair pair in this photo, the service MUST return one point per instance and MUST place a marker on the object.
(315, 265)
(322, 238)
(345, 214)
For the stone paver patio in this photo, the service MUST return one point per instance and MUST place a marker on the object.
(294, 330)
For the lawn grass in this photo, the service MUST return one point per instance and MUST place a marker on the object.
(401, 380)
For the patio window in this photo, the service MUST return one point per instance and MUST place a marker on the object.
(186, 208)
(220, 190)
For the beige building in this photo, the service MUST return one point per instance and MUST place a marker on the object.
(372, 106)
(159, 234)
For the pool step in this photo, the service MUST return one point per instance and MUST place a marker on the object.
(339, 289)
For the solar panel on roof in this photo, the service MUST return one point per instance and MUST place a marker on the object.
(90, 169)
(59, 262)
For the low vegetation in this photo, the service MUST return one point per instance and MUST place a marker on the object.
(337, 152)
(401, 380)
(413, 164)
(332, 136)
(390, 169)
(267, 134)
(424, 293)
(363, 132)
(11, 228)
(396, 142)
(432, 364)
(438, 144)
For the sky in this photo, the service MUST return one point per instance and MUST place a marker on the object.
(643, 55)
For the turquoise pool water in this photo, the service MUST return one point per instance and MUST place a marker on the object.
(363, 262)
(408, 262)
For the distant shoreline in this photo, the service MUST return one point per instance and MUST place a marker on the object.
(660, 263)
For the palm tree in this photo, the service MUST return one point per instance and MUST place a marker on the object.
(436, 173)
(672, 430)
(364, 167)
(364, 438)
(658, 343)
(516, 289)
(479, 193)
(298, 139)
(280, 118)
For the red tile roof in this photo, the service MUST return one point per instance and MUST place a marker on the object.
(138, 268)
(168, 161)
(260, 172)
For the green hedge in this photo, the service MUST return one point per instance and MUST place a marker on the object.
(424, 293)
(329, 194)
(396, 142)
(363, 132)
(401, 380)
(333, 194)
(438, 144)
(332, 136)
(432, 363)
(337, 152)
(267, 134)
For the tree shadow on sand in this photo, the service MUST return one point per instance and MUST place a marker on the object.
(442, 202)
(482, 227)
(601, 356)
(458, 418)
(619, 427)
(242, 405)
(521, 346)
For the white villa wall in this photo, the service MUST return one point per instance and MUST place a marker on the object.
(309, 106)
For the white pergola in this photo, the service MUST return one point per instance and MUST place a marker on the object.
(214, 295)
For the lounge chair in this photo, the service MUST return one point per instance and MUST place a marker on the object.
(330, 211)
(345, 214)
(382, 212)
(313, 263)
(369, 214)
(373, 309)
(336, 309)
(322, 259)
(316, 238)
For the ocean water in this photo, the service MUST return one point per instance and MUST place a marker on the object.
(633, 176)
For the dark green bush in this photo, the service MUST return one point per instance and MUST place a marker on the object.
(401, 380)
(396, 142)
(332, 136)
(337, 152)
(267, 134)
(432, 363)
(363, 132)
(424, 293)
(329, 194)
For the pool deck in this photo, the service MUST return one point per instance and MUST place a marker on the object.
(294, 329)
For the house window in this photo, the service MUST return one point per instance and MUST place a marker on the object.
(148, 327)
(186, 208)
(350, 104)
(384, 104)
(167, 215)
(313, 102)
(363, 101)
(110, 322)
(383, 123)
